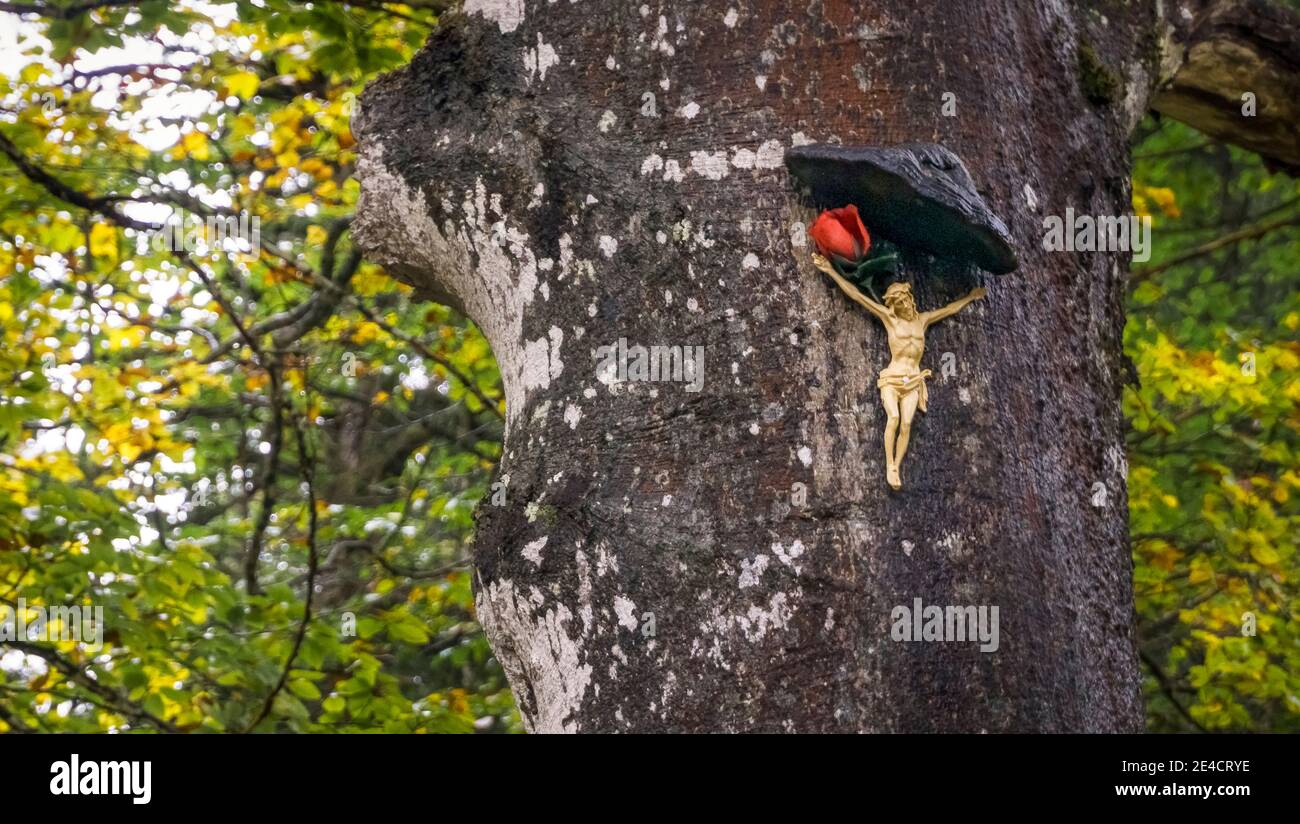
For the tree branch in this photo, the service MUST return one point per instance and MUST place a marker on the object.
(114, 701)
(1167, 687)
(1236, 47)
(64, 192)
(308, 477)
(54, 12)
(1248, 233)
(268, 482)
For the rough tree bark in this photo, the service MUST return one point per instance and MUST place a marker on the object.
(572, 173)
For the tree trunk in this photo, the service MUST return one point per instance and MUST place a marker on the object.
(575, 173)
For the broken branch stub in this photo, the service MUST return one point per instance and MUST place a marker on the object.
(918, 195)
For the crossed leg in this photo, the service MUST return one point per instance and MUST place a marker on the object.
(889, 397)
(907, 410)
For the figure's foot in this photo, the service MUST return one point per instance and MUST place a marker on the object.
(891, 475)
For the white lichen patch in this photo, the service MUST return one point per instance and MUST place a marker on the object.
(625, 609)
(661, 42)
(798, 234)
(533, 550)
(536, 373)
(572, 414)
(758, 621)
(543, 663)
(555, 365)
(770, 155)
(724, 629)
(805, 455)
(789, 557)
(712, 165)
(538, 60)
(1136, 90)
(751, 572)
(1117, 459)
(1031, 199)
(507, 14)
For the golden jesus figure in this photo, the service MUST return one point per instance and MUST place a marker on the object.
(902, 382)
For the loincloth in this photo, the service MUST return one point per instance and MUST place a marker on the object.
(906, 384)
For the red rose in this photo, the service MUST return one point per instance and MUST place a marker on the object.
(839, 233)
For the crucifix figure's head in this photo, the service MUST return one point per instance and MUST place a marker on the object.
(898, 297)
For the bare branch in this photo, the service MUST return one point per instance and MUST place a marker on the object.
(305, 464)
(1248, 233)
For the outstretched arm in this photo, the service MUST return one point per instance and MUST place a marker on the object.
(955, 307)
(852, 291)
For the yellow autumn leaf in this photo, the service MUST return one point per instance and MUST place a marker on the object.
(118, 432)
(242, 84)
(126, 338)
(1200, 572)
(365, 332)
(103, 241)
(1165, 199)
(193, 144)
(369, 281)
(1264, 554)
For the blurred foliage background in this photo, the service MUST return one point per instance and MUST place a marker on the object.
(197, 439)
(1214, 458)
(261, 456)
